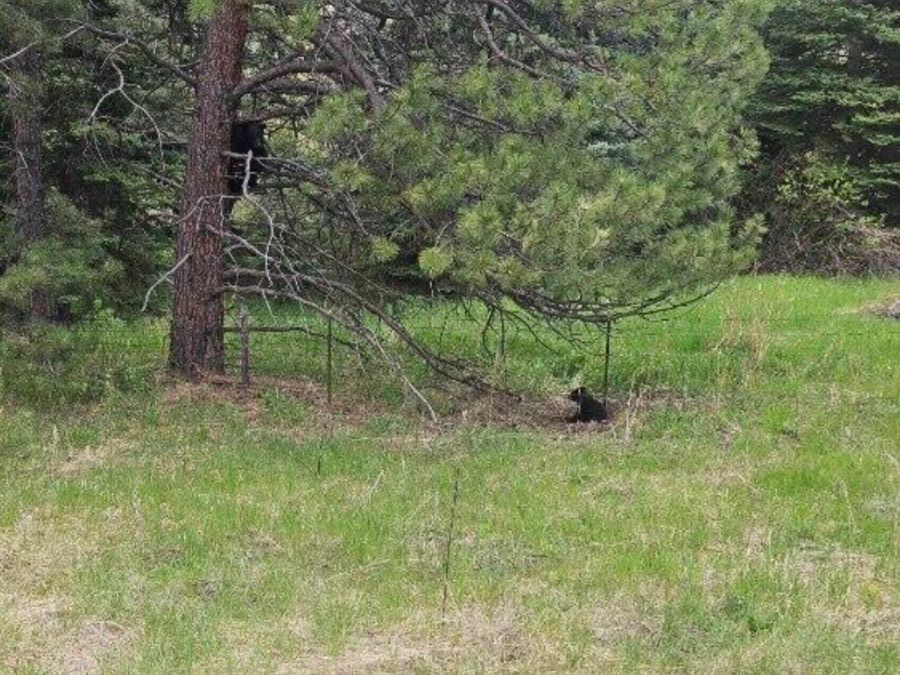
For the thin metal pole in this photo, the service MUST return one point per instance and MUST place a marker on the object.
(245, 346)
(502, 337)
(328, 366)
(449, 548)
(606, 363)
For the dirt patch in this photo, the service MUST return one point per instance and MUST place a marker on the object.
(462, 408)
(470, 640)
(629, 616)
(891, 310)
(49, 639)
(250, 400)
(529, 413)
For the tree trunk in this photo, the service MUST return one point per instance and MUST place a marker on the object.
(198, 310)
(26, 110)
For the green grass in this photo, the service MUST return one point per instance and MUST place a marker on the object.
(742, 515)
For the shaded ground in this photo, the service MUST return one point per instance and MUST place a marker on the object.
(525, 412)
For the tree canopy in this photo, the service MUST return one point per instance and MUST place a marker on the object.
(834, 89)
(568, 161)
(578, 160)
(828, 118)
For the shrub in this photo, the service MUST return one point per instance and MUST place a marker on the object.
(817, 223)
(43, 364)
(70, 265)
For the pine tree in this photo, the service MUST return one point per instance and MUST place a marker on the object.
(828, 116)
(22, 27)
(574, 160)
(80, 170)
(197, 342)
(581, 167)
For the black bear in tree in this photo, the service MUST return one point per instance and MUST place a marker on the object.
(249, 136)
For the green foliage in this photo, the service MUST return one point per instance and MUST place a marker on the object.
(833, 90)
(107, 170)
(201, 9)
(825, 187)
(302, 22)
(70, 265)
(384, 250)
(26, 21)
(609, 188)
(435, 261)
(244, 214)
(48, 366)
(338, 115)
(817, 222)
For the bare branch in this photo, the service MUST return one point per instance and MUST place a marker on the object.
(290, 66)
(342, 49)
(36, 43)
(175, 69)
(163, 278)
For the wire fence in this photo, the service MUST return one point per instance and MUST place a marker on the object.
(692, 352)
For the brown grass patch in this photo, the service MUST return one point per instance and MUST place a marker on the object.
(346, 410)
(43, 545)
(48, 640)
(809, 562)
(469, 639)
(464, 408)
(81, 461)
(628, 617)
(868, 605)
(891, 309)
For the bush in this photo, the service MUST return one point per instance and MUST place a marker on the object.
(816, 223)
(70, 266)
(43, 364)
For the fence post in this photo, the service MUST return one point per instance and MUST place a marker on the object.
(245, 346)
(329, 365)
(449, 547)
(606, 363)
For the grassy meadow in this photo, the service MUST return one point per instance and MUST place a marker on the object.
(742, 513)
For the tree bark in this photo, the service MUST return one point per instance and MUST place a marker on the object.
(26, 111)
(197, 342)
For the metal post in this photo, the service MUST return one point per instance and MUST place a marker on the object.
(606, 364)
(329, 359)
(448, 549)
(245, 346)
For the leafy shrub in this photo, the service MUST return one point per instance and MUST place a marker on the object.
(817, 223)
(43, 364)
(70, 266)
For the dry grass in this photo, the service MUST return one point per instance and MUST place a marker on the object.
(53, 638)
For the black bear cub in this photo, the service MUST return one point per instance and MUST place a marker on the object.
(246, 137)
(589, 408)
